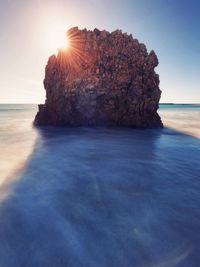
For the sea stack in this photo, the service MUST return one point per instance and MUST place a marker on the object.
(101, 79)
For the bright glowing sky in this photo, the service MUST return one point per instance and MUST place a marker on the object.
(170, 27)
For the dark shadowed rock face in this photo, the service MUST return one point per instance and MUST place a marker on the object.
(102, 79)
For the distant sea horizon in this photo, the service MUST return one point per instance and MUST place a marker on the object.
(183, 117)
(161, 103)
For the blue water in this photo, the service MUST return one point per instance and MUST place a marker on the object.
(180, 106)
(99, 197)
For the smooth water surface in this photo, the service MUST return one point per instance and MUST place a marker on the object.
(17, 138)
(182, 117)
(91, 197)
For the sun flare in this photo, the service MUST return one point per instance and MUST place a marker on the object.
(57, 39)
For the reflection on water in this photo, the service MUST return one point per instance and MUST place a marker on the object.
(103, 198)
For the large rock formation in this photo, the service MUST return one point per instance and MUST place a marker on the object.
(104, 79)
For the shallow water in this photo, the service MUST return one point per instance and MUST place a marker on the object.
(184, 118)
(17, 138)
(99, 197)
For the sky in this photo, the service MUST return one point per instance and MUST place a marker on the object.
(29, 29)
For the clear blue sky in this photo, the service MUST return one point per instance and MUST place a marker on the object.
(170, 27)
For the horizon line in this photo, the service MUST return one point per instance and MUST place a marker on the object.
(162, 103)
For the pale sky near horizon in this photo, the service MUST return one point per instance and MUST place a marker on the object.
(170, 27)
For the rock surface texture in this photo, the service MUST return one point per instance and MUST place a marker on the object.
(102, 79)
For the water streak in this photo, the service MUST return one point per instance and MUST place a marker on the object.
(99, 197)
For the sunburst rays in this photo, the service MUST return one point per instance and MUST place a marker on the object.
(77, 55)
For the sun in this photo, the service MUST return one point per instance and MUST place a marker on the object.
(57, 39)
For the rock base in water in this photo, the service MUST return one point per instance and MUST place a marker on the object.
(102, 79)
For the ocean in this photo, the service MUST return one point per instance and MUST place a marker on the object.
(95, 197)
